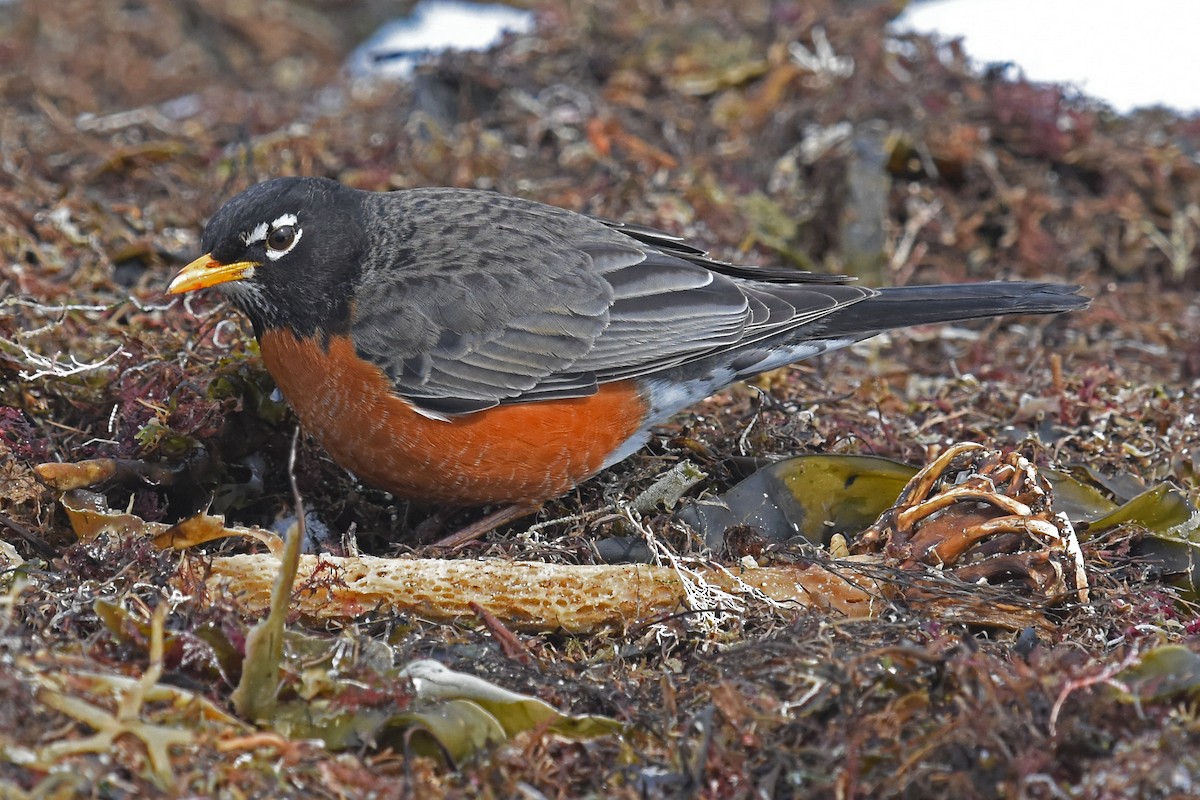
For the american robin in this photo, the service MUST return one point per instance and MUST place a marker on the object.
(466, 347)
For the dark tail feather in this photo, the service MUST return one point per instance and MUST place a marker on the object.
(902, 306)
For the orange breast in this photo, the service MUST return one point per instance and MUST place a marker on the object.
(522, 452)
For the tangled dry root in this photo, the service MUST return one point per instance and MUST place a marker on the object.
(981, 515)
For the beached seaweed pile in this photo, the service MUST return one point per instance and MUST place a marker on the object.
(785, 133)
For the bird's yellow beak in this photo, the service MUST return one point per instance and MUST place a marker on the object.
(206, 271)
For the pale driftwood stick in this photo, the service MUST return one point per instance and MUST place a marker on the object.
(526, 595)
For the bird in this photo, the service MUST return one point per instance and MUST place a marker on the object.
(464, 347)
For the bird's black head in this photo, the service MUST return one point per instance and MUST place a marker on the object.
(287, 252)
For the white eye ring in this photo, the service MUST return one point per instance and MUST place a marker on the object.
(262, 233)
(277, 250)
(282, 223)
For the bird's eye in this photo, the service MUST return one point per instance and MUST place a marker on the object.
(282, 238)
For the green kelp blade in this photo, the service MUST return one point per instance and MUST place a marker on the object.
(448, 713)
(1162, 674)
(814, 496)
(1168, 516)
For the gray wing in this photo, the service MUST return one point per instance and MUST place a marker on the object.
(492, 299)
